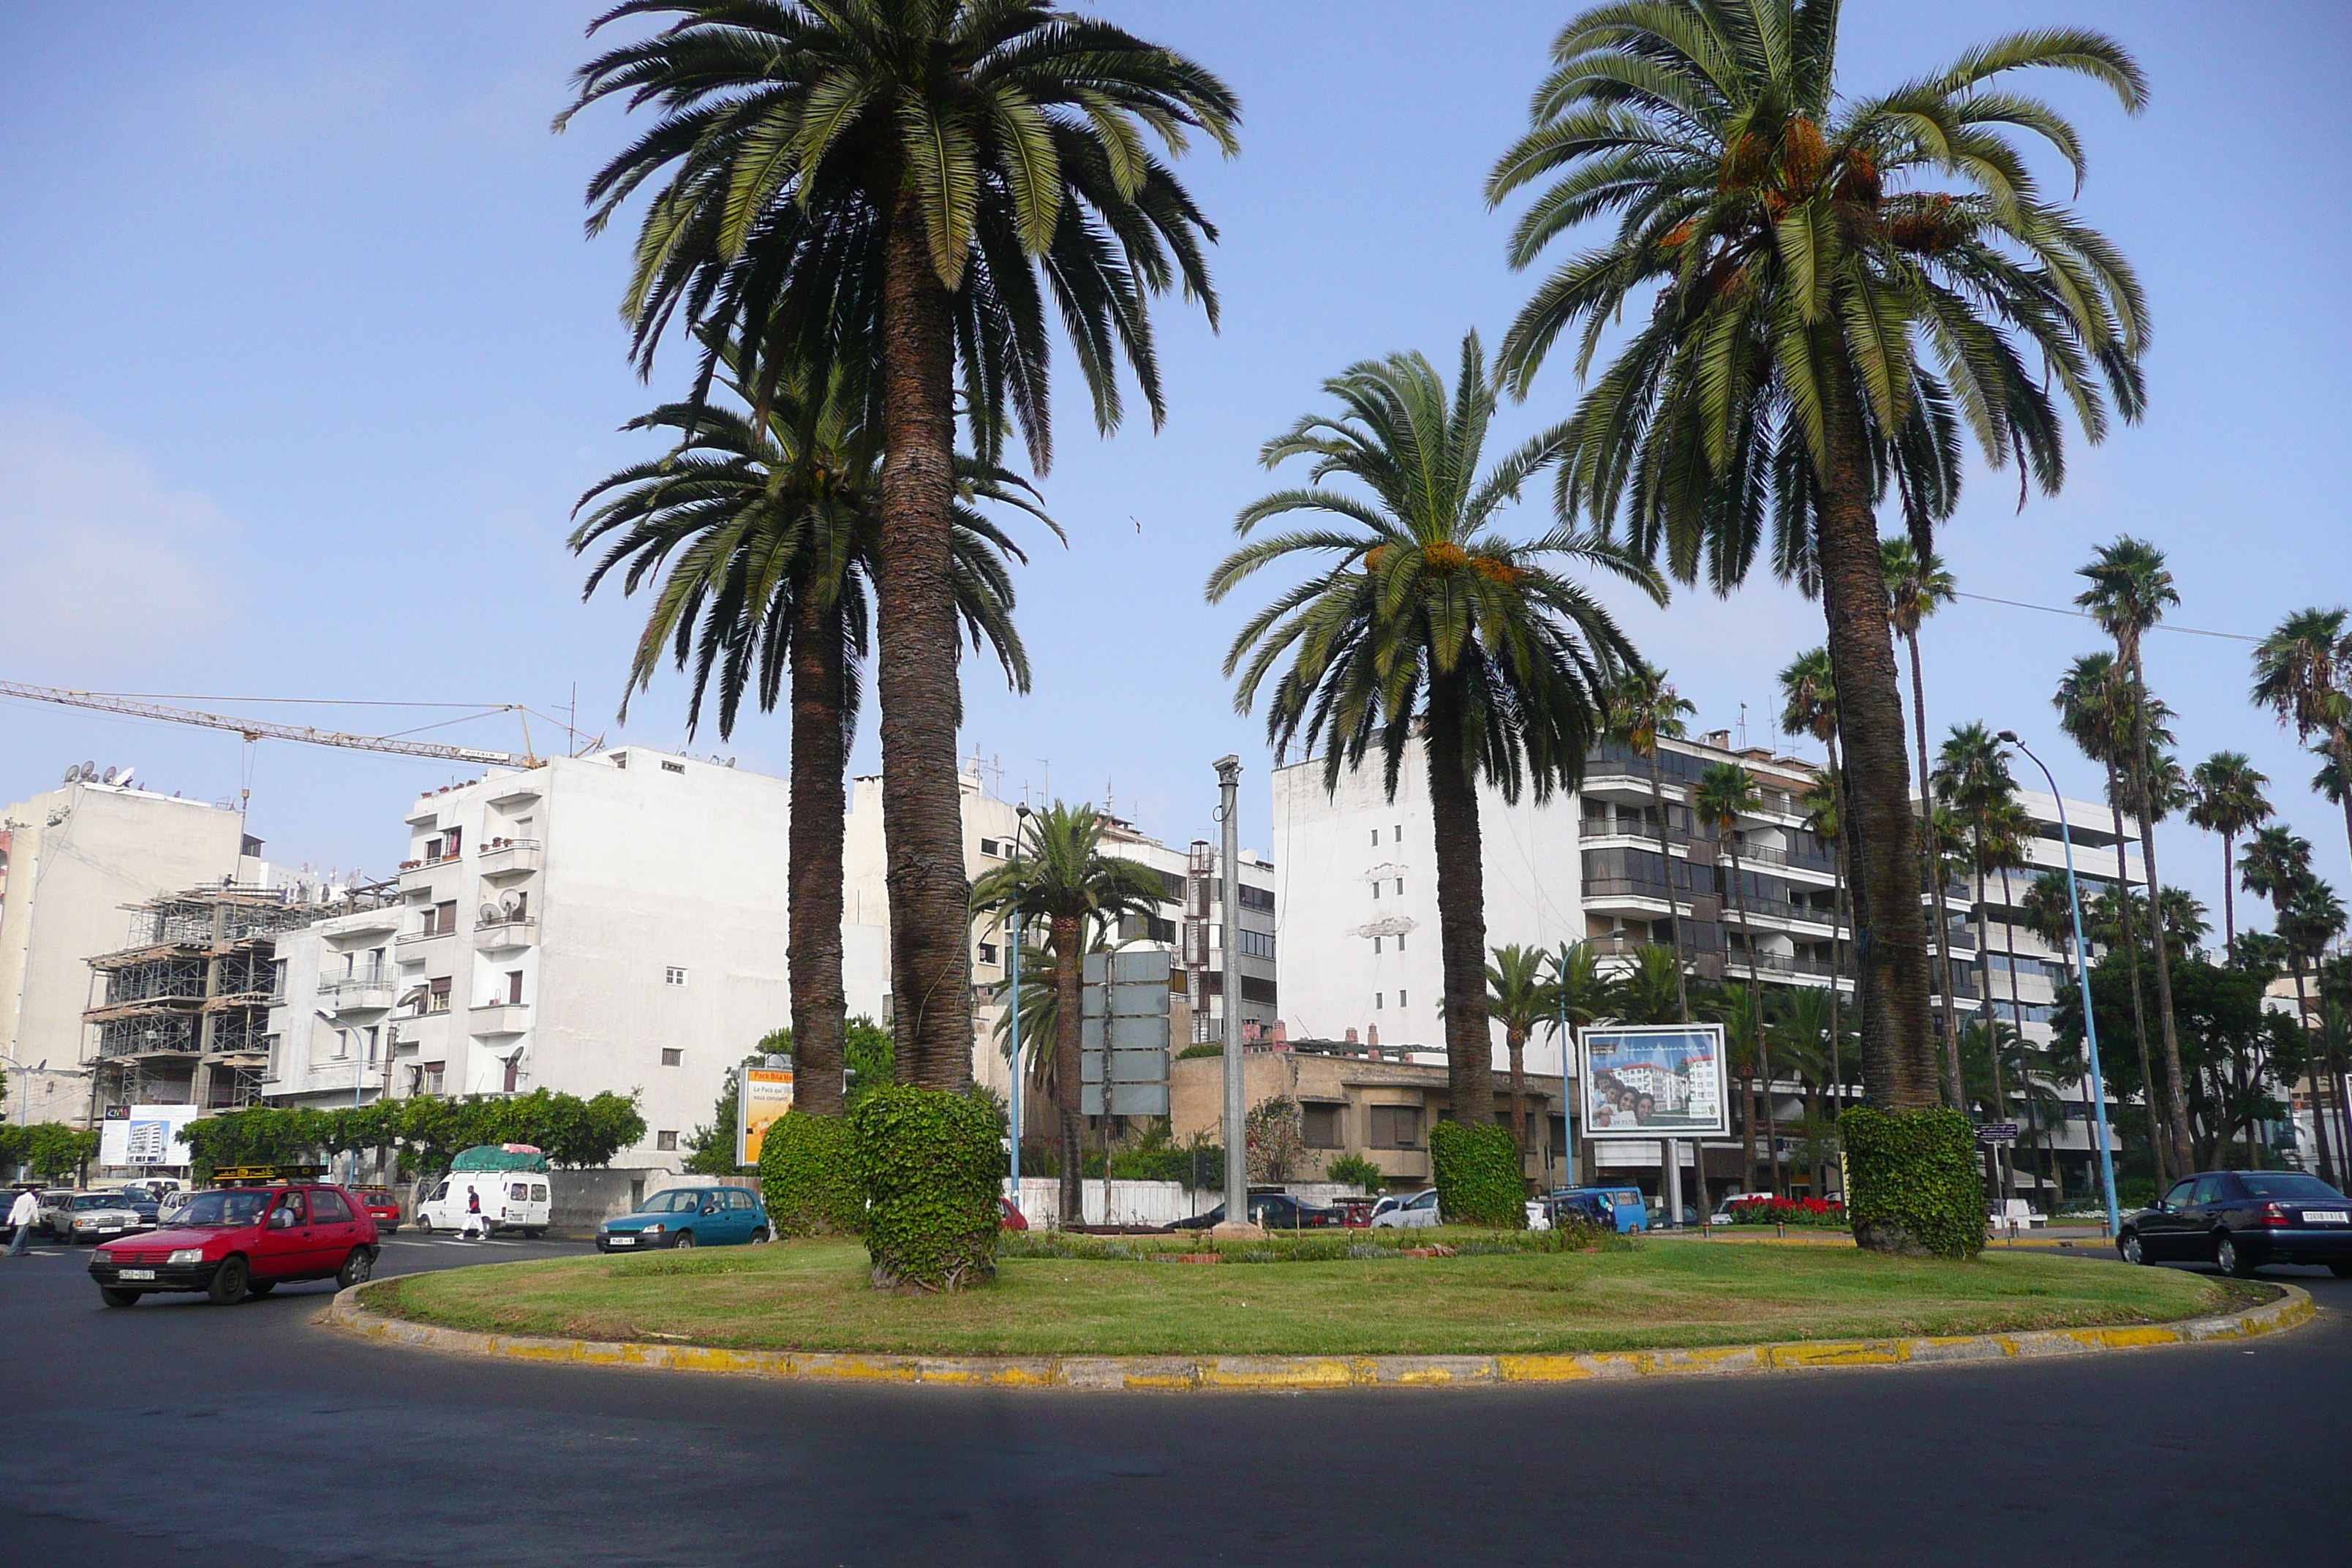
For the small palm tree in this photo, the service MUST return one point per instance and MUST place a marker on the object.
(2228, 801)
(1799, 323)
(2303, 672)
(1519, 998)
(1726, 793)
(2130, 590)
(1582, 994)
(1652, 990)
(907, 195)
(1643, 708)
(1972, 777)
(762, 535)
(1426, 626)
(1062, 879)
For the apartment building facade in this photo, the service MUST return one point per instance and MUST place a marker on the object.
(613, 921)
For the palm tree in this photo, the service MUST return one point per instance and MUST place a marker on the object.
(1064, 880)
(1916, 585)
(1972, 777)
(2129, 591)
(1825, 819)
(2228, 801)
(896, 192)
(1652, 990)
(2313, 917)
(1806, 1036)
(1581, 993)
(762, 534)
(2303, 672)
(2096, 709)
(1806, 320)
(1809, 707)
(1644, 707)
(1425, 625)
(1521, 999)
(1726, 793)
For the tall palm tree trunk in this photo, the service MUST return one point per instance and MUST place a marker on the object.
(1891, 947)
(1460, 913)
(2323, 1125)
(2016, 1016)
(2229, 900)
(1517, 1041)
(1667, 870)
(2339, 740)
(1984, 1007)
(1837, 945)
(2159, 1145)
(1931, 866)
(2176, 1087)
(1755, 1012)
(1068, 955)
(922, 798)
(813, 941)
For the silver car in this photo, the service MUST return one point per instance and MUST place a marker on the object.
(55, 1202)
(1418, 1212)
(98, 1216)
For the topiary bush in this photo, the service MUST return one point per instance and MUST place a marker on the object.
(931, 1166)
(809, 1178)
(1916, 1185)
(1477, 1175)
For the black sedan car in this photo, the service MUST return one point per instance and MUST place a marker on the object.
(2241, 1220)
(1275, 1211)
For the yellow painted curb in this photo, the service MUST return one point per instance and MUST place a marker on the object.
(1297, 1374)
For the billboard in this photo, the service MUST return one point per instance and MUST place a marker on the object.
(761, 1095)
(1655, 1081)
(144, 1135)
(1129, 987)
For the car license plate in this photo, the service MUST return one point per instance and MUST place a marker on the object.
(620, 1241)
(110, 1230)
(2326, 1216)
(139, 1273)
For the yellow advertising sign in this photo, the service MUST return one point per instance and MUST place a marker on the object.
(765, 1094)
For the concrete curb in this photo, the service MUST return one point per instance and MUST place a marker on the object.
(1293, 1374)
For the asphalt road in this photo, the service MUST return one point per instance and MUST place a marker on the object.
(179, 1433)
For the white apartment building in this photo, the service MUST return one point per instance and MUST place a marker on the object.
(613, 921)
(1359, 900)
(990, 828)
(71, 861)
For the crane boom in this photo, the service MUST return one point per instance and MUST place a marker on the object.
(262, 730)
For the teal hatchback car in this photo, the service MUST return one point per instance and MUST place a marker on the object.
(689, 1217)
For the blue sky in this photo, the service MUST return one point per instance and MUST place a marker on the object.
(304, 359)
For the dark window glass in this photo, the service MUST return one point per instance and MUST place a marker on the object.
(329, 1208)
(2180, 1196)
(1320, 1126)
(2291, 1186)
(2208, 1189)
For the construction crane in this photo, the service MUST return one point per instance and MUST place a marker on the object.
(261, 730)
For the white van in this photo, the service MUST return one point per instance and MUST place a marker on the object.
(511, 1200)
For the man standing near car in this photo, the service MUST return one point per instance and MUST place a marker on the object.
(21, 1213)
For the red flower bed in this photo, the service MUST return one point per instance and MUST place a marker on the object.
(1788, 1211)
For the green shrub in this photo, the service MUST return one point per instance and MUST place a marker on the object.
(1477, 1175)
(1916, 1187)
(809, 1178)
(1357, 1172)
(931, 1166)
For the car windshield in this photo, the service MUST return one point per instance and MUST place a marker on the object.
(97, 1201)
(224, 1208)
(678, 1200)
(2290, 1187)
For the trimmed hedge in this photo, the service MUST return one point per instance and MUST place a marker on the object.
(1916, 1185)
(931, 1167)
(809, 1178)
(1477, 1175)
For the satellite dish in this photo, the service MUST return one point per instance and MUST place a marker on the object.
(123, 778)
(88, 771)
(490, 915)
(507, 905)
(108, 778)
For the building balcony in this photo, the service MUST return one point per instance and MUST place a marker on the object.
(506, 932)
(365, 993)
(414, 873)
(414, 945)
(497, 1018)
(503, 859)
(322, 1077)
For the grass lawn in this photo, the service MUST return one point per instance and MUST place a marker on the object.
(814, 1296)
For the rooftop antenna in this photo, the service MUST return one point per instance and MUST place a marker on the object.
(1743, 726)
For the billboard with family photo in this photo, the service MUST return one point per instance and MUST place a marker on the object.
(1655, 1081)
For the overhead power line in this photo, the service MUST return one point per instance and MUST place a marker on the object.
(2085, 616)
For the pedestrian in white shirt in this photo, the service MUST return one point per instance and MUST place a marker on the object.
(23, 1213)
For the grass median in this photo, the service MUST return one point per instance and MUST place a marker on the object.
(814, 1296)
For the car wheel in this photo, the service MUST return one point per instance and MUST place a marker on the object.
(114, 1298)
(355, 1269)
(533, 1232)
(685, 1238)
(2234, 1263)
(760, 1237)
(423, 1225)
(259, 1287)
(230, 1283)
(2129, 1247)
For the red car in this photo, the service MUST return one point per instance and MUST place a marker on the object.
(382, 1208)
(235, 1242)
(1008, 1217)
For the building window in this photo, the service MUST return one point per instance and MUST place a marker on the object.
(674, 975)
(1257, 943)
(1396, 834)
(1259, 899)
(1320, 1125)
(1399, 942)
(514, 986)
(673, 1056)
(1399, 887)
(1376, 835)
(436, 999)
(989, 846)
(1376, 944)
(1379, 1000)
(988, 952)
(673, 767)
(436, 1073)
(1376, 888)
(1394, 1126)
(665, 1141)
(1400, 1001)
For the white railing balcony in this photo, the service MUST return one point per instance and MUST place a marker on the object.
(506, 932)
(498, 1018)
(506, 858)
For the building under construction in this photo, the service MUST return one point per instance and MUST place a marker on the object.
(184, 1018)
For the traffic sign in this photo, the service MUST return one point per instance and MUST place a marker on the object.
(1997, 1132)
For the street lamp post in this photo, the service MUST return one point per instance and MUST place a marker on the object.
(2082, 976)
(1020, 833)
(1229, 787)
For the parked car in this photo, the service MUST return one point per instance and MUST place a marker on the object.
(142, 1198)
(1275, 1211)
(383, 1207)
(1418, 1212)
(1618, 1208)
(236, 1242)
(1009, 1215)
(2241, 1220)
(95, 1217)
(55, 1202)
(510, 1200)
(689, 1217)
